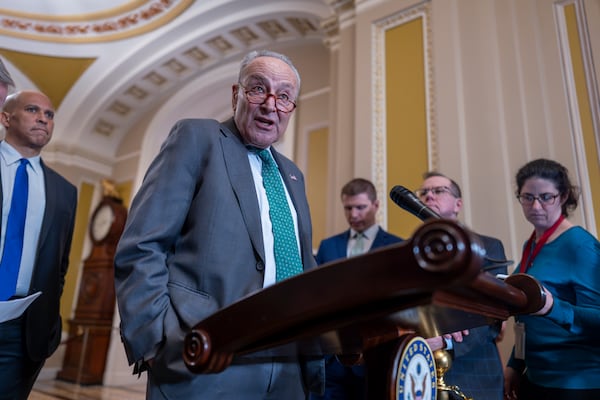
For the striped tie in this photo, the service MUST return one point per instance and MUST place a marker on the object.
(287, 257)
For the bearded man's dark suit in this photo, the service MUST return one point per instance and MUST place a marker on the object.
(343, 382)
(192, 245)
(41, 322)
(477, 368)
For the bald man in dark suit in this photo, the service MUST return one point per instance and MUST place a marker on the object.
(27, 341)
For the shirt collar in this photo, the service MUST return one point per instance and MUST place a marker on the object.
(10, 156)
(368, 233)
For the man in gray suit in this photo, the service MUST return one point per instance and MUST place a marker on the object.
(476, 367)
(27, 340)
(199, 237)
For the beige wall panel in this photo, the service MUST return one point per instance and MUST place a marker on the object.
(500, 102)
(582, 93)
(342, 138)
(317, 182)
(592, 10)
(312, 156)
(313, 105)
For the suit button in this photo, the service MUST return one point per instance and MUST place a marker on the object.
(260, 266)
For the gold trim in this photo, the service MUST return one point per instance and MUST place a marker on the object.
(154, 16)
(583, 111)
(111, 12)
(379, 159)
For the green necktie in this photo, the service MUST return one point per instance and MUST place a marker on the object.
(287, 257)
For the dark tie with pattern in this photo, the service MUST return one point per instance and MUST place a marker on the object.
(287, 257)
(15, 228)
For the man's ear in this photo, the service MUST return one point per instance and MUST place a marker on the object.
(234, 96)
(4, 119)
(458, 206)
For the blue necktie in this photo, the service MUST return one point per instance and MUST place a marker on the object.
(15, 228)
(287, 257)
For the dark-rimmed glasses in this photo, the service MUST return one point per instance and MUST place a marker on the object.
(257, 94)
(436, 191)
(545, 199)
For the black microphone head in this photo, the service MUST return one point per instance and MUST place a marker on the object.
(409, 202)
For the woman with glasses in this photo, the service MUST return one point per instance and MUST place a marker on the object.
(557, 351)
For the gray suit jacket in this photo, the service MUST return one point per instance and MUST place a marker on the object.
(193, 245)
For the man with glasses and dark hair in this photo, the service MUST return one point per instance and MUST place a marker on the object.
(476, 366)
(220, 214)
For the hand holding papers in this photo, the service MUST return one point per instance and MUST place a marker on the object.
(11, 309)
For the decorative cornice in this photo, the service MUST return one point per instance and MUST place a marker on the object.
(331, 29)
(118, 23)
(85, 162)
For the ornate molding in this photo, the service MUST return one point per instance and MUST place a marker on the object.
(118, 23)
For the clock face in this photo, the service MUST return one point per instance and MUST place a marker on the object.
(102, 222)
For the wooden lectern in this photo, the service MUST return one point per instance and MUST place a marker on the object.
(371, 309)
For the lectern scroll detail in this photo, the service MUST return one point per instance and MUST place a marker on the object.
(429, 284)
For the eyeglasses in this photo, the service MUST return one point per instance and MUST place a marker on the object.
(436, 191)
(258, 95)
(545, 199)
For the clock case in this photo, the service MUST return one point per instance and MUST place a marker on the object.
(113, 235)
(91, 327)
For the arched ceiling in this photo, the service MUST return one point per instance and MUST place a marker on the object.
(106, 64)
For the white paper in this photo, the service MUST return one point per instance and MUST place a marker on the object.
(519, 340)
(12, 309)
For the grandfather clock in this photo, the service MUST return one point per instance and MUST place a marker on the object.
(90, 329)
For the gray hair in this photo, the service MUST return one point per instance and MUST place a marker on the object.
(267, 53)
(5, 76)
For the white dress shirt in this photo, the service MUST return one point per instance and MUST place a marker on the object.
(36, 204)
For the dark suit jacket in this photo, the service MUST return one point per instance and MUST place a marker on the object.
(335, 247)
(193, 244)
(43, 326)
(476, 367)
(340, 378)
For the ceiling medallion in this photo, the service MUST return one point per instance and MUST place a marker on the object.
(98, 27)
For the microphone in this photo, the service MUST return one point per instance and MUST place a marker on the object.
(408, 201)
